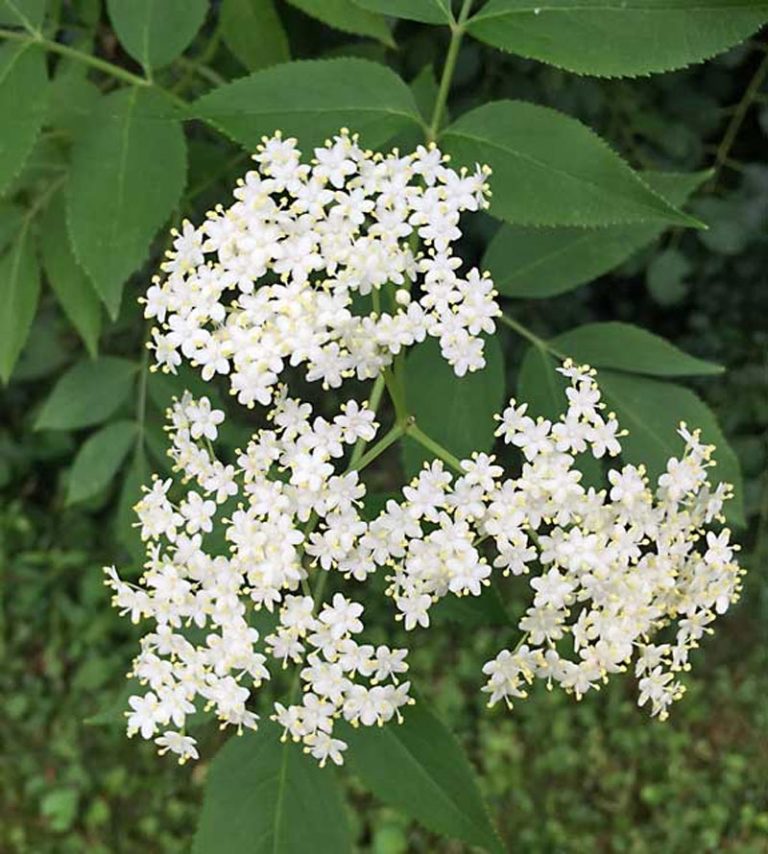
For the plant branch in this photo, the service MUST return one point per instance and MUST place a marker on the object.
(395, 391)
(201, 70)
(378, 449)
(737, 120)
(416, 433)
(373, 404)
(78, 55)
(457, 34)
(141, 397)
(526, 333)
(37, 40)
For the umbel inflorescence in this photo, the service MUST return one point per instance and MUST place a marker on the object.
(625, 577)
(293, 272)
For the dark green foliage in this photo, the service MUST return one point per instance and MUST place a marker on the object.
(257, 783)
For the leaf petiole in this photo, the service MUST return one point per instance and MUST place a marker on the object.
(436, 448)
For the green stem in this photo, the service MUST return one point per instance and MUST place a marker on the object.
(72, 53)
(434, 447)
(141, 398)
(213, 43)
(373, 404)
(526, 333)
(740, 113)
(42, 200)
(395, 390)
(319, 590)
(201, 70)
(378, 449)
(457, 34)
(37, 40)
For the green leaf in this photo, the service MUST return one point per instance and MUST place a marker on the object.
(264, 795)
(128, 173)
(348, 17)
(531, 262)
(98, 460)
(155, 32)
(67, 279)
(426, 11)
(114, 713)
(19, 294)
(617, 37)
(23, 13)
(455, 411)
(252, 30)
(87, 394)
(11, 218)
(549, 169)
(418, 767)
(629, 348)
(45, 162)
(652, 411)
(23, 98)
(71, 101)
(312, 100)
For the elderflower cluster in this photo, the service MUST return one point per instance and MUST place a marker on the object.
(283, 501)
(329, 686)
(626, 576)
(292, 273)
(619, 575)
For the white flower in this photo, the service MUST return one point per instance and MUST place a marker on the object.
(342, 617)
(415, 610)
(322, 747)
(552, 589)
(356, 422)
(183, 746)
(271, 280)
(145, 715)
(204, 420)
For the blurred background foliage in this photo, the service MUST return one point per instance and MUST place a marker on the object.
(559, 776)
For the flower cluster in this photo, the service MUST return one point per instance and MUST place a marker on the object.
(284, 501)
(293, 272)
(336, 660)
(624, 576)
(337, 265)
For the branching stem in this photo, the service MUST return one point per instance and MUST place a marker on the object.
(416, 433)
(37, 40)
(739, 114)
(373, 404)
(457, 34)
(526, 333)
(378, 449)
